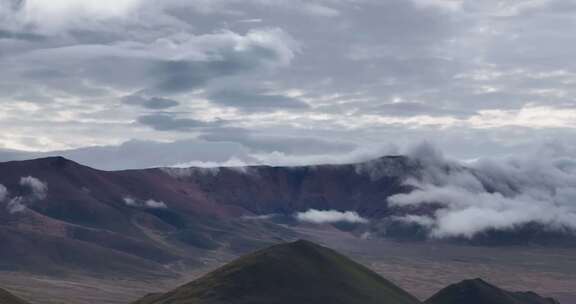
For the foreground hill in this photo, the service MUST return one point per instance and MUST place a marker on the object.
(298, 272)
(478, 291)
(8, 298)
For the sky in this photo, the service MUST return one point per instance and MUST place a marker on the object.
(140, 83)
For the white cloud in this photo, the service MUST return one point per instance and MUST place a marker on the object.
(16, 205)
(38, 188)
(130, 201)
(499, 194)
(3, 193)
(61, 14)
(155, 204)
(150, 203)
(330, 217)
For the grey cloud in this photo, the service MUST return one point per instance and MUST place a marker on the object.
(247, 100)
(154, 103)
(286, 144)
(149, 67)
(414, 109)
(167, 122)
(20, 36)
(350, 60)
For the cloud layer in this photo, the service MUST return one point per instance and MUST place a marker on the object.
(330, 217)
(494, 194)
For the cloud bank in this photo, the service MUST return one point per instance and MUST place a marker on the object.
(493, 194)
(330, 217)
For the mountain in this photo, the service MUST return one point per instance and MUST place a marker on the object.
(139, 221)
(8, 298)
(478, 291)
(161, 220)
(298, 272)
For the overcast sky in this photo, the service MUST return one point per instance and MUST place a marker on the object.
(138, 83)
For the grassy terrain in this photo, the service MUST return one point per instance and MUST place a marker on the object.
(299, 272)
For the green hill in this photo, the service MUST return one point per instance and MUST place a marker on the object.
(293, 273)
(478, 291)
(8, 298)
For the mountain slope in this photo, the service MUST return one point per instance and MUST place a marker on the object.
(165, 217)
(299, 272)
(8, 298)
(478, 291)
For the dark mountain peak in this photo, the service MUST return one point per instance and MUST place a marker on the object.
(8, 298)
(302, 244)
(57, 161)
(478, 291)
(474, 283)
(297, 272)
(52, 162)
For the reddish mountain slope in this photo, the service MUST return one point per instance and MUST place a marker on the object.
(57, 215)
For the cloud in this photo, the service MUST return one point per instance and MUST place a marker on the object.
(361, 73)
(34, 190)
(37, 187)
(330, 217)
(147, 204)
(172, 64)
(255, 101)
(20, 36)
(155, 204)
(3, 193)
(292, 145)
(130, 201)
(153, 103)
(493, 194)
(16, 205)
(407, 109)
(62, 14)
(167, 122)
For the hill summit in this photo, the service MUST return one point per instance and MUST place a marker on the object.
(298, 272)
(477, 291)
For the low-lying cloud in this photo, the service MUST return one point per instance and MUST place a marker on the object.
(3, 192)
(492, 194)
(37, 187)
(330, 217)
(33, 190)
(147, 204)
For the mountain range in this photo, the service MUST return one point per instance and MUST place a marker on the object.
(149, 222)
